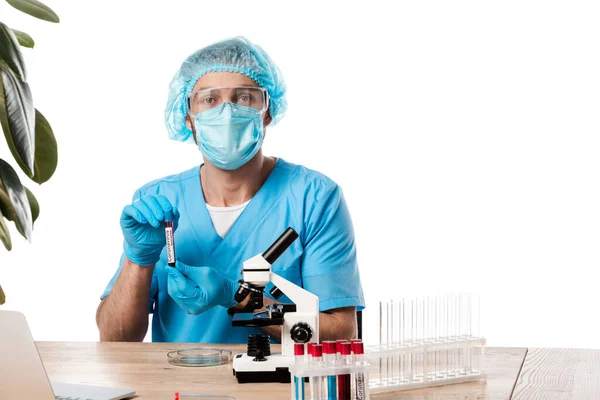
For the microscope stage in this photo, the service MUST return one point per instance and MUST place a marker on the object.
(255, 319)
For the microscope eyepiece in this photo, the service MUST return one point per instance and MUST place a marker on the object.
(280, 245)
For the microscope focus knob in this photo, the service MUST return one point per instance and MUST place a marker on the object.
(301, 332)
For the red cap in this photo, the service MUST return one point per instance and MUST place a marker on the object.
(317, 350)
(345, 349)
(329, 346)
(355, 340)
(298, 349)
(358, 348)
(176, 395)
(339, 343)
(309, 348)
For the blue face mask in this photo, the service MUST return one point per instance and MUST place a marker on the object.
(229, 135)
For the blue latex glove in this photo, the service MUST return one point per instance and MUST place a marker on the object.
(142, 223)
(196, 289)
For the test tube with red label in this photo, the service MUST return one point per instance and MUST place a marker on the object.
(359, 379)
(352, 378)
(170, 238)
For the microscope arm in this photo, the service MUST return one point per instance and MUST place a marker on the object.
(305, 301)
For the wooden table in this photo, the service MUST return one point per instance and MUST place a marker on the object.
(516, 372)
(559, 374)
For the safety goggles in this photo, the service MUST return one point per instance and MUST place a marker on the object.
(246, 96)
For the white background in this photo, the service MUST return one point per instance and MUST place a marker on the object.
(465, 136)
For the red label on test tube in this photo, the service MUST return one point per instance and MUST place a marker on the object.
(170, 241)
(361, 387)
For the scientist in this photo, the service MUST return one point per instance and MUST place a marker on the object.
(226, 211)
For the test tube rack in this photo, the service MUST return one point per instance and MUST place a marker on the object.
(341, 375)
(319, 375)
(426, 341)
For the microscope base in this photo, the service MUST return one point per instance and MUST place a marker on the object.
(274, 369)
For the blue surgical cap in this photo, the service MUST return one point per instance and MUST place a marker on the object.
(232, 55)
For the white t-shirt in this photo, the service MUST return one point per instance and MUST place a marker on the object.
(224, 217)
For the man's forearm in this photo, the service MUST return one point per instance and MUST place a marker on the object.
(330, 328)
(333, 325)
(123, 314)
(338, 324)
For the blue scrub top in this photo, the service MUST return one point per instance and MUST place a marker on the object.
(322, 260)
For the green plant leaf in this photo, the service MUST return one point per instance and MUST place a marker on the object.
(46, 150)
(18, 197)
(17, 116)
(10, 52)
(24, 39)
(35, 206)
(35, 9)
(8, 211)
(5, 234)
(6, 207)
(2, 296)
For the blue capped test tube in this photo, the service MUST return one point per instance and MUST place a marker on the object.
(330, 358)
(299, 380)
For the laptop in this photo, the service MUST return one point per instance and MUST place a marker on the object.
(22, 374)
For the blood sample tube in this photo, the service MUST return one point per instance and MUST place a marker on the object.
(170, 238)
(344, 379)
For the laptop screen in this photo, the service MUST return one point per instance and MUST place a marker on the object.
(22, 374)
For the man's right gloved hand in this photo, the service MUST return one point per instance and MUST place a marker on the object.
(142, 223)
(197, 289)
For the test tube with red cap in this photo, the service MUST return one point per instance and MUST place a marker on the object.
(299, 381)
(308, 358)
(308, 355)
(338, 347)
(170, 238)
(352, 380)
(360, 386)
(344, 379)
(318, 389)
(329, 348)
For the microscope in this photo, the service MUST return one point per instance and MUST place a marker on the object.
(299, 321)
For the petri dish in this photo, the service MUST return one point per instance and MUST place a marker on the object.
(199, 357)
